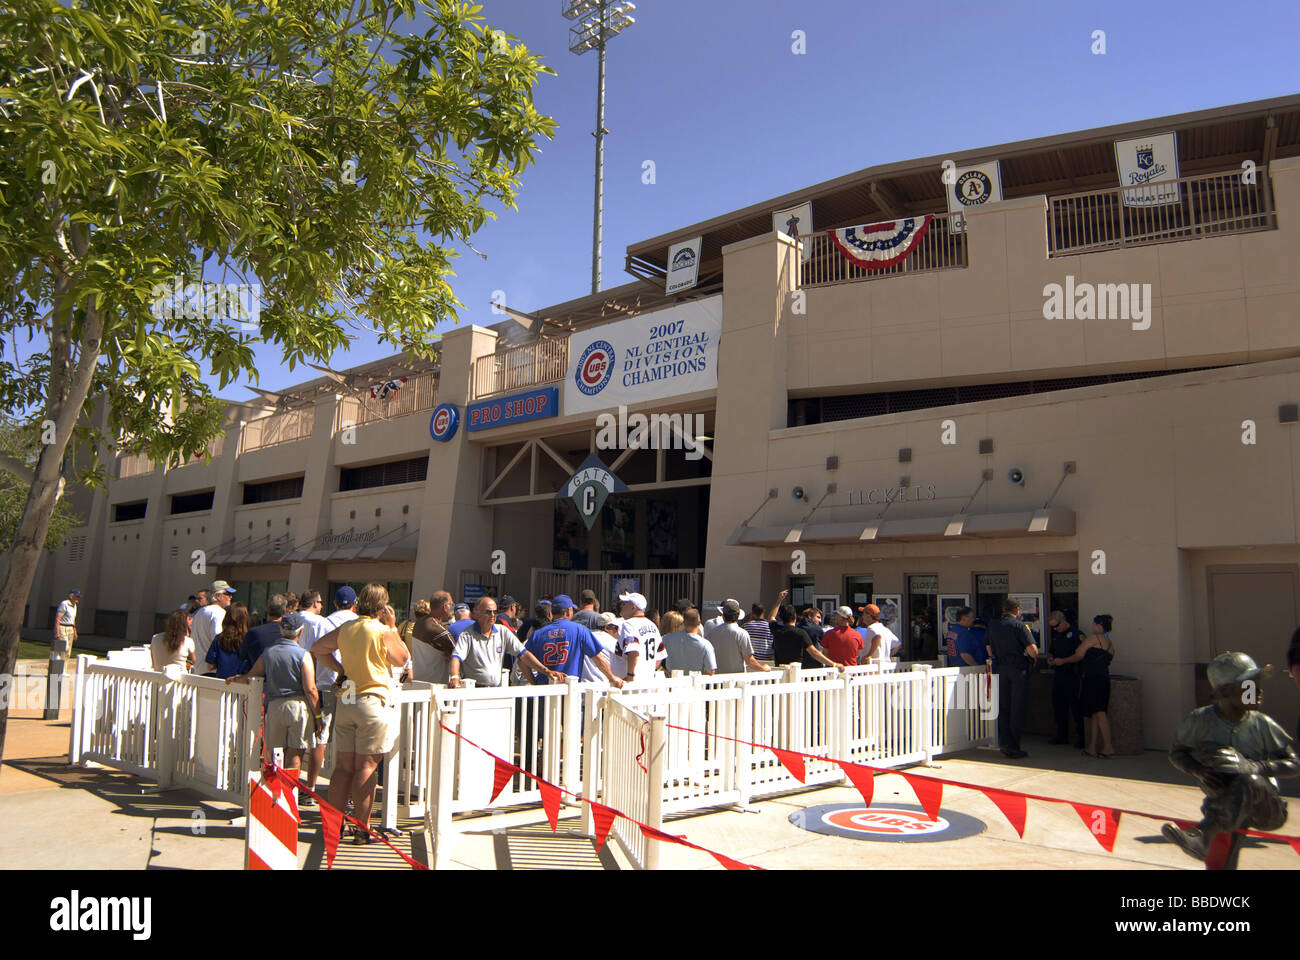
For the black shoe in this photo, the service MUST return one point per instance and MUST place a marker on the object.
(1014, 754)
(306, 800)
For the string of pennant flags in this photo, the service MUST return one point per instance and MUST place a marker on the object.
(1102, 821)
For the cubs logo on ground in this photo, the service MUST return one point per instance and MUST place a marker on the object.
(595, 367)
(905, 823)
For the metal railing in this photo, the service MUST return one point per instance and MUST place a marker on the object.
(214, 450)
(1210, 205)
(134, 465)
(629, 784)
(277, 428)
(526, 365)
(943, 247)
(418, 393)
(661, 588)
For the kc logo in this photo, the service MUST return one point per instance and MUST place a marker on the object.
(595, 367)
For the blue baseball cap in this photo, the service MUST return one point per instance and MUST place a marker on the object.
(562, 602)
(345, 597)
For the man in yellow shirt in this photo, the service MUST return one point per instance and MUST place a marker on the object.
(366, 721)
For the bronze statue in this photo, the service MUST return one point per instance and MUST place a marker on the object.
(1235, 752)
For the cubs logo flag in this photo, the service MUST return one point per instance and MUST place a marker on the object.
(874, 246)
(386, 390)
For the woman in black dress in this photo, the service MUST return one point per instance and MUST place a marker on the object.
(1096, 653)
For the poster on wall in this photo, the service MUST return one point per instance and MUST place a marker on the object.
(663, 354)
(796, 223)
(827, 604)
(891, 607)
(1147, 160)
(1031, 613)
(661, 533)
(618, 533)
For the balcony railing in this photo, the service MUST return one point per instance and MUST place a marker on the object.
(527, 365)
(277, 428)
(1210, 205)
(134, 465)
(214, 449)
(418, 393)
(941, 248)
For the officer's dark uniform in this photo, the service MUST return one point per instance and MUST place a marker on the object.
(1008, 639)
(1065, 685)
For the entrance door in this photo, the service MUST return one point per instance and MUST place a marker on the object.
(1253, 609)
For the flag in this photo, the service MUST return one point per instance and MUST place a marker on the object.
(388, 389)
(874, 246)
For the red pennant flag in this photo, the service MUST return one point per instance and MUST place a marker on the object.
(928, 792)
(650, 833)
(331, 821)
(550, 801)
(793, 762)
(862, 777)
(603, 817)
(1012, 805)
(729, 863)
(504, 771)
(1295, 845)
(1217, 857)
(1102, 822)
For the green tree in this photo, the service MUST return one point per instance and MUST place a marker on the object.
(309, 148)
(24, 445)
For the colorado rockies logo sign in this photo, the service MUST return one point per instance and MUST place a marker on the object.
(590, 487)
(895, 822)
(595, 367)
(443, 423)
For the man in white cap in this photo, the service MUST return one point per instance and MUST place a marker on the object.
(209, 620)
(639, 648)
(606, 634)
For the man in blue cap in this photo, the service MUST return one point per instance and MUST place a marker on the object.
(563, 645)
(1235, 752)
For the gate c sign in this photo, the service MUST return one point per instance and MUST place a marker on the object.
(516, 408)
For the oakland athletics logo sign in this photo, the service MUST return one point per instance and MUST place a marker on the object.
(595, 367)
(590, 487)
(443, 423)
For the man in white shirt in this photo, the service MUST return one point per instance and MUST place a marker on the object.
(606, 634)
(732, 649)
(65, 623)
(639, 648)
(717, 621)
(208, 621)
(881, 641)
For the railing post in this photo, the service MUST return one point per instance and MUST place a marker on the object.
(252, 727)
(923, 709)
(844, 722)
(75, 742)
(442, 782)
(592, 725)
(572, 727)
(744, 732)
(655, 788)
(166, 739)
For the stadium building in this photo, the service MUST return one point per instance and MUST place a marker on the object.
(1065, 368)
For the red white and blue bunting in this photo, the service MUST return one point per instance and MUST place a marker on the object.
(874, 246)
(386, 390)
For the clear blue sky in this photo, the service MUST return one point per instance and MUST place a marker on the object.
(711, 91)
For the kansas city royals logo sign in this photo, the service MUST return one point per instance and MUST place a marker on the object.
(590, 487)
(443, 423)
(875, 246)
(595, 367)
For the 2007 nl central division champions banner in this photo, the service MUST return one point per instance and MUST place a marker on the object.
(668, 353)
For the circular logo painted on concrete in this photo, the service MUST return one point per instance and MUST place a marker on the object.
(443, 423)
(899, 822)
(595, 367)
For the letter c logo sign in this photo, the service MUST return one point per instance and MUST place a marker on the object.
(443, 423)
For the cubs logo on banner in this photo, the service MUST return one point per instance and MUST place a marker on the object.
(590, 487)
(683, 265)
(662, 354)
(795, 222)
(974, 187)
(443, 423)
(1148, 160)
(874, 246)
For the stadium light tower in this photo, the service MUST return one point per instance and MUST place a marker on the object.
(597, 21)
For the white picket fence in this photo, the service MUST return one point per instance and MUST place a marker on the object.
(634, 788)
(179, 730)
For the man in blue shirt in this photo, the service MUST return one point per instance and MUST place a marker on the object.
(965, 649)
(562, 645)
(267, 635)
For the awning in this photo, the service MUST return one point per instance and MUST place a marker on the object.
(251, 549)
(974, 526)
(277, 551)
(401, 549)
(399, 543)
(219, 553)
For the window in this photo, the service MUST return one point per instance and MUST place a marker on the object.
(129, 511)
(922, 639)
(399, 595)
(191, 502)
(273, 490)
(857, 591)
(990, 591)
(384, 474)
(802, 591)
(1063, 594)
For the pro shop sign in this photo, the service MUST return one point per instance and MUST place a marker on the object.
(516, 408)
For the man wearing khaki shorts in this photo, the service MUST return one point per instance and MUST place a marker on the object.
(65, 624)
(366, 719)
(290, 697)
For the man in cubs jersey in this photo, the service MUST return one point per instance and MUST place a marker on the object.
(639, 649)
(563, 645)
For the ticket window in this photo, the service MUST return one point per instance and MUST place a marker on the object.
(922, 640)
(857, 592)
(990, 591)
(1063, 594)
(802, 591)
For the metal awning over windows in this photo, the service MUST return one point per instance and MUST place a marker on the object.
(942, 529)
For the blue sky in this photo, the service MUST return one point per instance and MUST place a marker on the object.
(711, 91)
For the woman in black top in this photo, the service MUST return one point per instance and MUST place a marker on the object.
(1096, 653)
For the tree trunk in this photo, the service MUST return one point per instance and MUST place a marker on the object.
(63, 408)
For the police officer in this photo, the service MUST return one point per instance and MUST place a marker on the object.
(1014, 652)
(1063, 641)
